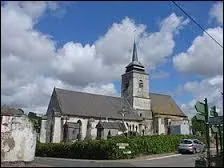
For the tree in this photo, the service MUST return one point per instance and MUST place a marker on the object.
(198, 126)
(36, 120)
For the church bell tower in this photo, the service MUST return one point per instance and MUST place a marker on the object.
(135, 86)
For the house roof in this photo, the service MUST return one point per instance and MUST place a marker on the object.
(94, 105)
(165, 105)
(6, 111)
(111, 125)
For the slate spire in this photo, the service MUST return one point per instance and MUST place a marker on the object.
(134, 54)
(135, 64)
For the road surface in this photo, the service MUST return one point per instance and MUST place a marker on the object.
(171, 160)
(176, 160)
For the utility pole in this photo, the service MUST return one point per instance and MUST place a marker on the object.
(207, 130)
(216, 143)
(220, 132)
(220, 138)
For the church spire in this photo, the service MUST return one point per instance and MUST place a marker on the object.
(135, 64)
(134, 54)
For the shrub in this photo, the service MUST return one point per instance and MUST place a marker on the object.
(108, 149)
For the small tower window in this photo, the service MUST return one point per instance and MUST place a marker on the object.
(140, 84)
(126, 85)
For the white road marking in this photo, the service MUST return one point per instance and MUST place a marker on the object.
(163, 157)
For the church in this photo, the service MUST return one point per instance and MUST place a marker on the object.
(73, 115)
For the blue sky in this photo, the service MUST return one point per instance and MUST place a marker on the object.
(99, 16)
(87, 22)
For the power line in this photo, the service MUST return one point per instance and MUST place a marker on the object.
(197, 24)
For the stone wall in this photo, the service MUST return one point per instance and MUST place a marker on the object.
(57, 133)
(43, 130)
(18, 139)
(95, 122)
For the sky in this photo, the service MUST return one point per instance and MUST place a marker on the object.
(85, 46)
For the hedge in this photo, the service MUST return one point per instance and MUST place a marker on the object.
(108, 149)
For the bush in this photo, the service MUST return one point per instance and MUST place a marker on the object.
(108, 149)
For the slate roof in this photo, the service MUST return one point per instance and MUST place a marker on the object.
(93, 105)
(165, 105)
(111, 125)
(6, 111)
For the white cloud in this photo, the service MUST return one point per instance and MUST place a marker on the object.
(204, 57)
(216, 12)
(104, 89)
(115, 46)
(107, 57)
(188, 108)
(208, 88)
(32, 66)
(173, 23)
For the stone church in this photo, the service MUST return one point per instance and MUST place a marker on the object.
(73, 115)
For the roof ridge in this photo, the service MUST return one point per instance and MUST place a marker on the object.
(94, 94)
(160, 94)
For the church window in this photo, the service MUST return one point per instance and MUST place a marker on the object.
(99, 133)
(109, 134)
(80, 130)
(140, 84)
(140, 114)
(65, 134)
(126, 85)
(168, 130)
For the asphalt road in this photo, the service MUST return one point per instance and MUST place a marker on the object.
(174, 160)
(56, 162)
(186, 160)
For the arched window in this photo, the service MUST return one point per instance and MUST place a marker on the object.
(80, 130)
(65, 133)
(126, 85)
(109, 134)
(140, 84)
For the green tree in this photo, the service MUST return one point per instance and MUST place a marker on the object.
(36, 120)
(198, 126)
